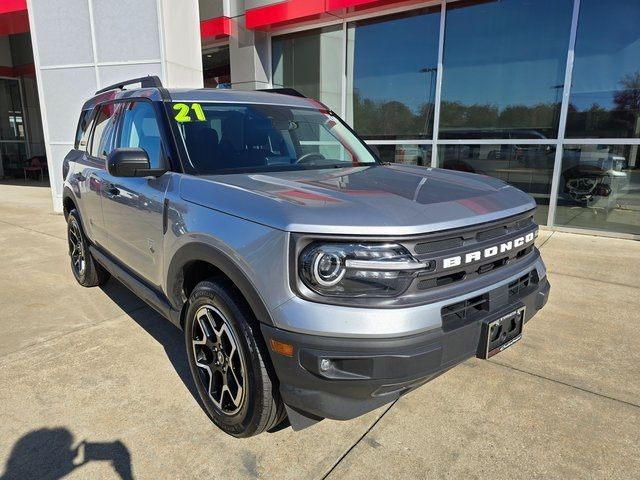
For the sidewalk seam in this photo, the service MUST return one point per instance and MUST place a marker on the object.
(355, 444)
(547, 239)
(64, 334)
(32, 230)
(564, 383)
(553, 272)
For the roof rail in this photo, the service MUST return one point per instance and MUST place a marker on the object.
(284, 91)
(150, 81)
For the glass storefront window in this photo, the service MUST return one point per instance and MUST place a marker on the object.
(12, 129)
(600, 188)
(605, 92)
(311, 63)
(407, 154)
(391, 75)
(527, 167)
(216, 67)
(504, 67)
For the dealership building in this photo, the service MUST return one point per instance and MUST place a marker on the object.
(544, 94)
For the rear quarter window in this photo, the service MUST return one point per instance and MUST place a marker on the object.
(82, 132)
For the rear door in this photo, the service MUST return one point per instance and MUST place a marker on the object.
(91, 172)
(133, 207)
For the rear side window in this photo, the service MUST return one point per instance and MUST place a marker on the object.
(84, 128)
(101, 143)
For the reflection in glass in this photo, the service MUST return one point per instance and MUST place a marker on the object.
(407, 154)
(527, 167)
(600, 188)
(12, 129)
(216, 67)
(391, 75)
(504, 66)
(605, 92)
(311, 63)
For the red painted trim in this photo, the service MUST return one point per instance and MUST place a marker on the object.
(215, 28)
(11, 6)
(282, 13)
(14, 22)
(18, 71)
(345, 7)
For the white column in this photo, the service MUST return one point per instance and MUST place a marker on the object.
(80, 46)
(249, 52)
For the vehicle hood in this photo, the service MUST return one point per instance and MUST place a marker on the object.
(377, 200)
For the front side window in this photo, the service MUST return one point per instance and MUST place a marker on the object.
(140, 130)
(223, 138)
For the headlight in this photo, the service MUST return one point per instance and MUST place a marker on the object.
(358, 270)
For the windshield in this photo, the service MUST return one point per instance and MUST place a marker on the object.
(229, 138)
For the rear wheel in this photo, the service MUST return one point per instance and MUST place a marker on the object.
(227, 361)
(87, 271)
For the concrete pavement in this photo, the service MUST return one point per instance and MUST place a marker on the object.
(94, 384)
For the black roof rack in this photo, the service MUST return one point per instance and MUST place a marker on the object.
(150, 81)
(285, 91)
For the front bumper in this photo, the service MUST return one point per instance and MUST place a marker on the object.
(366, 373)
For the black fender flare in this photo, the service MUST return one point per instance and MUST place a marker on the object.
(197, 251)
(68, 193)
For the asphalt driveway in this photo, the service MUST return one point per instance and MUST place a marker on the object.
(94, 384)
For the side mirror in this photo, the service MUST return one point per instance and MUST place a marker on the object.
(131, 162)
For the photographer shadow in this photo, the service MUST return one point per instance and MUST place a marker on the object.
(50, 454)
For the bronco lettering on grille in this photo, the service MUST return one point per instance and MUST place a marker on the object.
(488, 252)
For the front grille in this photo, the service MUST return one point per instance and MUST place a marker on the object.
(460, 242)
(461, 313)
(430, 247)
(521, 284)
(458, 313)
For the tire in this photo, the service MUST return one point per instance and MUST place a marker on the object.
(228, 361)
(87, 271)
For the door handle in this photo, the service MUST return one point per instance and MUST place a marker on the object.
(113, 190)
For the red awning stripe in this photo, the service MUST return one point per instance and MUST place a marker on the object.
(291, 11)
(12, 6)
(214, 28)
(283, 12)
(28, 69)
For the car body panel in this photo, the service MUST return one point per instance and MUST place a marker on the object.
(380, 200)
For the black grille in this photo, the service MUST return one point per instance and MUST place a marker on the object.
(461, 313)
(457, 243)
(429, 247)
(518, 286)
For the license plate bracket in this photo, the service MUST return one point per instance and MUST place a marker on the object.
(498, 334)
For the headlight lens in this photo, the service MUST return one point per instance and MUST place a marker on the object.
(358, 270)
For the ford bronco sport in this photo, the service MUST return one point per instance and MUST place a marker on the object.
(310, 279)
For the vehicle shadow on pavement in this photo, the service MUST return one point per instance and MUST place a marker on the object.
(49, 453)
(163, 331)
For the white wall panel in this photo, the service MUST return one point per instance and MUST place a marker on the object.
(63, 91)
(126, 30)
(63, 31)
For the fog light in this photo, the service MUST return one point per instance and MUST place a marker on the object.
(325, 364)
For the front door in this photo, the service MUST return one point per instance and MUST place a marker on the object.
(133, 207)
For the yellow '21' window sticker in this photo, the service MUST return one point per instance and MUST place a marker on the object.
(184, 111)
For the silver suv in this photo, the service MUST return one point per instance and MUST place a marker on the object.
(311, 280)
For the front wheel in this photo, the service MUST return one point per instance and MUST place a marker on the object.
(228, 361)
